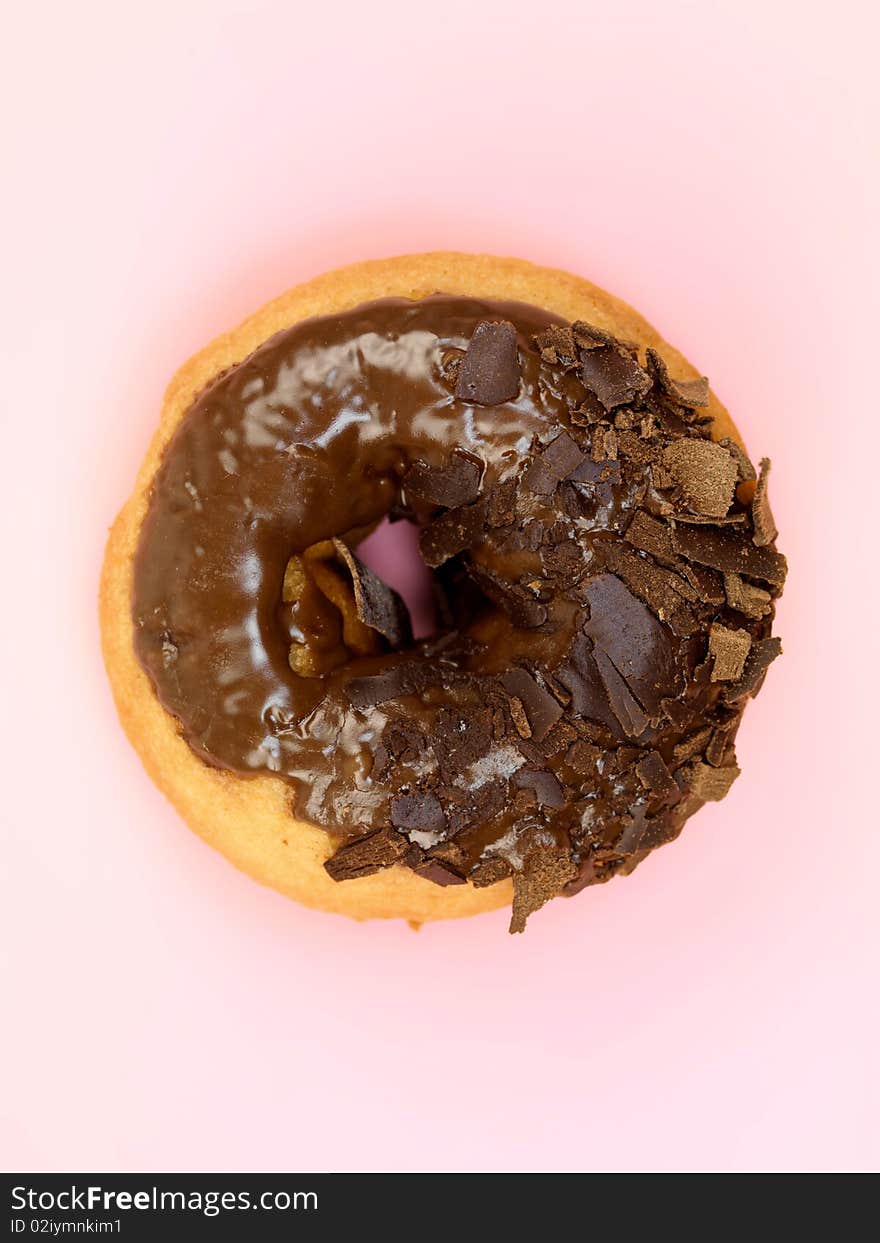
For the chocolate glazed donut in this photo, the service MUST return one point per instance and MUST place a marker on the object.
(605, 573)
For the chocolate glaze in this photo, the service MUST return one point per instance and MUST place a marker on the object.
(312, 437)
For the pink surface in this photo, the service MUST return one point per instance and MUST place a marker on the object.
(168, 169)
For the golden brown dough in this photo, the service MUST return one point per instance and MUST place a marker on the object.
(248, 819)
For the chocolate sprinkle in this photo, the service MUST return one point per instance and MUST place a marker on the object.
(490, 371)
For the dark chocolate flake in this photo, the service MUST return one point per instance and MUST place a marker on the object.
(544, 785)
(632, 652)
(541, 708)
(556, 345)
(727, 550)
(490, 372)
(378, 605)
(661, 589)
(760, 657)
(688, 393)
(366, 855)
(762, 517)
(705, 474)
(655, 776)
(439, 872)
(557, 461)
(728, 650)
(520, 606)
(614, 377)
(452, 533)
(420, 811)
(711, 784)
(546, 871)
(456, 483)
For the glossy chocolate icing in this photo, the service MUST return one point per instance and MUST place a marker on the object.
(312, 437)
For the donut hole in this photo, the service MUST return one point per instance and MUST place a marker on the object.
(392, 552)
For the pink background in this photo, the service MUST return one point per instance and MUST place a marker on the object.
(168, 169)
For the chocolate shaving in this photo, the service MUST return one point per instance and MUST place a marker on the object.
(490, 371)
(489, 872)
(725, 549)
(705, 474)
(761, 656)
(689, 393)
(729, 520)
(583, 757)
(541, 709)
(634, 447)
(379, 688)
(604, 444)
(501, 504)
(544, 785)
(520, 606)
(728, 650)
(743, 463)
(708, 585)
(661, 589)
(439, 872)
(557, 461)
(655, 776)
(556, 345)
(651, 535)
(460, 738)
(693, 745)
(590, 337)
(421, 811)
(614, 377)
(452, 533)
(717, 748)
(456, 483)
(378, 605)
(762, 517)
(632, 652)
(366, 855)
(580, 676)
(546, 871)
(746, 598)
(711, 784)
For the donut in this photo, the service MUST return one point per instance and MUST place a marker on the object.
(603, 558)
